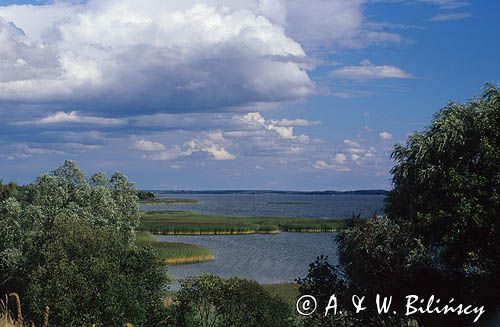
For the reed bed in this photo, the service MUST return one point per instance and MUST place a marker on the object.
(8, 319)
(192, 223)
(173, 253)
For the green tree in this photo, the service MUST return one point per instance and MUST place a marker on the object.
(144, 195)
(68, 242)
(446, 182)
(7, 190)
(442, 232)
(208, 300)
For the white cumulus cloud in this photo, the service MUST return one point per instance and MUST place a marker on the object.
(212, 143)
(385, 135)
(126, 56)
(284, 128)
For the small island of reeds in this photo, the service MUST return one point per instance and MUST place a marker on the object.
(173, 253)
(193, 223)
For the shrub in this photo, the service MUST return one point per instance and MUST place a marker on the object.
(209, 300)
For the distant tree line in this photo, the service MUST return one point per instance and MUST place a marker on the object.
(145, 195)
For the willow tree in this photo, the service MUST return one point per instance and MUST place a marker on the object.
(441, 235)
(67, 241)
(446, 181)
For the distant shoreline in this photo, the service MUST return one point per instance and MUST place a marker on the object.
(328, 192)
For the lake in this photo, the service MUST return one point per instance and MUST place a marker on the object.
(268, 259)
(277, 258)
(281, 205)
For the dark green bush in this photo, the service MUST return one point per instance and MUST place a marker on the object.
(209, 300)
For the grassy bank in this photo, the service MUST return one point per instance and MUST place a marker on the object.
(176, 253)
(193, 223)
(168, 201)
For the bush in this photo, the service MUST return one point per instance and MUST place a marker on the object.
(209, 300)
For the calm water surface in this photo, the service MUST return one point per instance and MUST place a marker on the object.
(277, 258)
(283, 205)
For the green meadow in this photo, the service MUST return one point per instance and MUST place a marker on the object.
(193, 223)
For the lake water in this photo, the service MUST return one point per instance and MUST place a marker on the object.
(268, 259)
(282, 205)
(276, 258)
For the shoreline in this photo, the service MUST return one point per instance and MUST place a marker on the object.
(195, 233)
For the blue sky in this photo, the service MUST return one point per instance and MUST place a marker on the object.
(233, 94)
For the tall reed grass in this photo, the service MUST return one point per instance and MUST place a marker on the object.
(176, 253)
(8, 319)
(192, 223)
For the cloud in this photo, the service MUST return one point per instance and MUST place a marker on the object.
(284, 128)
(340, 158)
(335, 24)
(447, 4)
(385, 135)
(442, 4)
(450, 17)
(295, 122)
(127, 57)
(323, 165)
(367, 71)
(25, 151)
(61, 117)
(145, 145)
(352, 144)
(212, 143)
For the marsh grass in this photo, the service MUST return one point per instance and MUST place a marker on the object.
(193, 223)
(175, 253)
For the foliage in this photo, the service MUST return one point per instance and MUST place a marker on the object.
(321, 282)
(145, 195)
(7, 190)
(446, 182)
(68, 242)
(442, 232)
(288, 292)
(208, 300)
